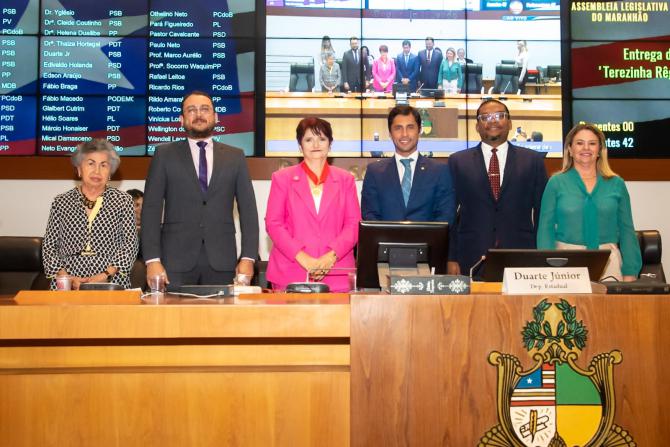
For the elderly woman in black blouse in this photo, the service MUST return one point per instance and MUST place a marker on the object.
(91, 230)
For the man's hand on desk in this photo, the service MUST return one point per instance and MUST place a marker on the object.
(453, 268)
(154, 269)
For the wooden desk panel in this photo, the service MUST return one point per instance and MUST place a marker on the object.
(420, 375)
(175, 375)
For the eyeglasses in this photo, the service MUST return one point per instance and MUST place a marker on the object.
(205, 110)
(495, 116)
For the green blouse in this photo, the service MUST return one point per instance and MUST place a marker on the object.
(570, 214)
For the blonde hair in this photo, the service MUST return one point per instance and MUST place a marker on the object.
(602, 165)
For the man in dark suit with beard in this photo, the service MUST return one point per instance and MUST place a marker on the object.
(351, 68)
(499, 189)
(192, 187)
(429, 61)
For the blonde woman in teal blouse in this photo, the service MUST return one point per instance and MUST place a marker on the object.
(586, 205)
(450, 75)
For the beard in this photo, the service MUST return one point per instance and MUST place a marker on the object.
(193, 133)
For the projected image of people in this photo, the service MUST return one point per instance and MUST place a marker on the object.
(383, 71)
(420, 53)
(450, 75)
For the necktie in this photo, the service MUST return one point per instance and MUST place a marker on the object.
(406, 59)
(202, 168)
(406, 183)
(428, 56)
(494, 174)
(355, 57)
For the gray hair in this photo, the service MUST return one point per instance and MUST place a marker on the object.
(96, 145)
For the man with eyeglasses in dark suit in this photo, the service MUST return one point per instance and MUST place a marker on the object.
(188, 227)
(498, 188)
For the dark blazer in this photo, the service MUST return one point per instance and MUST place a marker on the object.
(409, 70)
(431, 197)
(191, 217)
(483, 223)
(351, 71)
(428, 72)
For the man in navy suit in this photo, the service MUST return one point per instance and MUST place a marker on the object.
(408, 186)
(506, 218)
(429, 62)
(407, 68)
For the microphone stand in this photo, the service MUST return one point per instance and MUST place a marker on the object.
(476, 264)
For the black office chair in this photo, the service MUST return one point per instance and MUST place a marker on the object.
(21, 264)
(651, 251)
(506, 80)
(301, 78)
(472, 75)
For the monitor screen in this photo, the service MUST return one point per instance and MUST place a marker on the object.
(431, 93)
(399, 243)
(498, 259)
(484, 32)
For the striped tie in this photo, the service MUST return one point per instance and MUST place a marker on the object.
(406, 183)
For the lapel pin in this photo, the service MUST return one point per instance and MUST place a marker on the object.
(296, 178)
(423, 168)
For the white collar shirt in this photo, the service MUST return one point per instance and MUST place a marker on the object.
(401, 168)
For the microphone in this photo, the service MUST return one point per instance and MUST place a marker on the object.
(504, 91)
(477, 264)
(419, 88)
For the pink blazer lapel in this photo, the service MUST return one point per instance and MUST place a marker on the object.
(301, 186)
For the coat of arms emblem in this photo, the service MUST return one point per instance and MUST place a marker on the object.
(555, 403)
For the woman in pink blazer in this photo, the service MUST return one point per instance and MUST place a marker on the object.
(312, 215)
(383, 71)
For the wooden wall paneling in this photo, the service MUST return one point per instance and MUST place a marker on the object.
(420, 374)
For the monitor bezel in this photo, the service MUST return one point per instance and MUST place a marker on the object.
(497, 259)
(372, 233)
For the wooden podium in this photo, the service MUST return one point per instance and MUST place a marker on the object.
(420, 375)
(253, 373)
(290, 370)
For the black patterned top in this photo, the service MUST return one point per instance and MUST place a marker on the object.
(113, 238)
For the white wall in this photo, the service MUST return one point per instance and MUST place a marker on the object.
(25, 207)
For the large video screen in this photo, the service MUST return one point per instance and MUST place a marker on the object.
(72, 70)
(500, 40)
(621, 73)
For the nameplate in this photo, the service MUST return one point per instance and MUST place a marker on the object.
(546, 280)
(430, 285)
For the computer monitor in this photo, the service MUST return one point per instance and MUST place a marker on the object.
(498, 259)
(399, 245)
(554, 72)
(431, 93)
